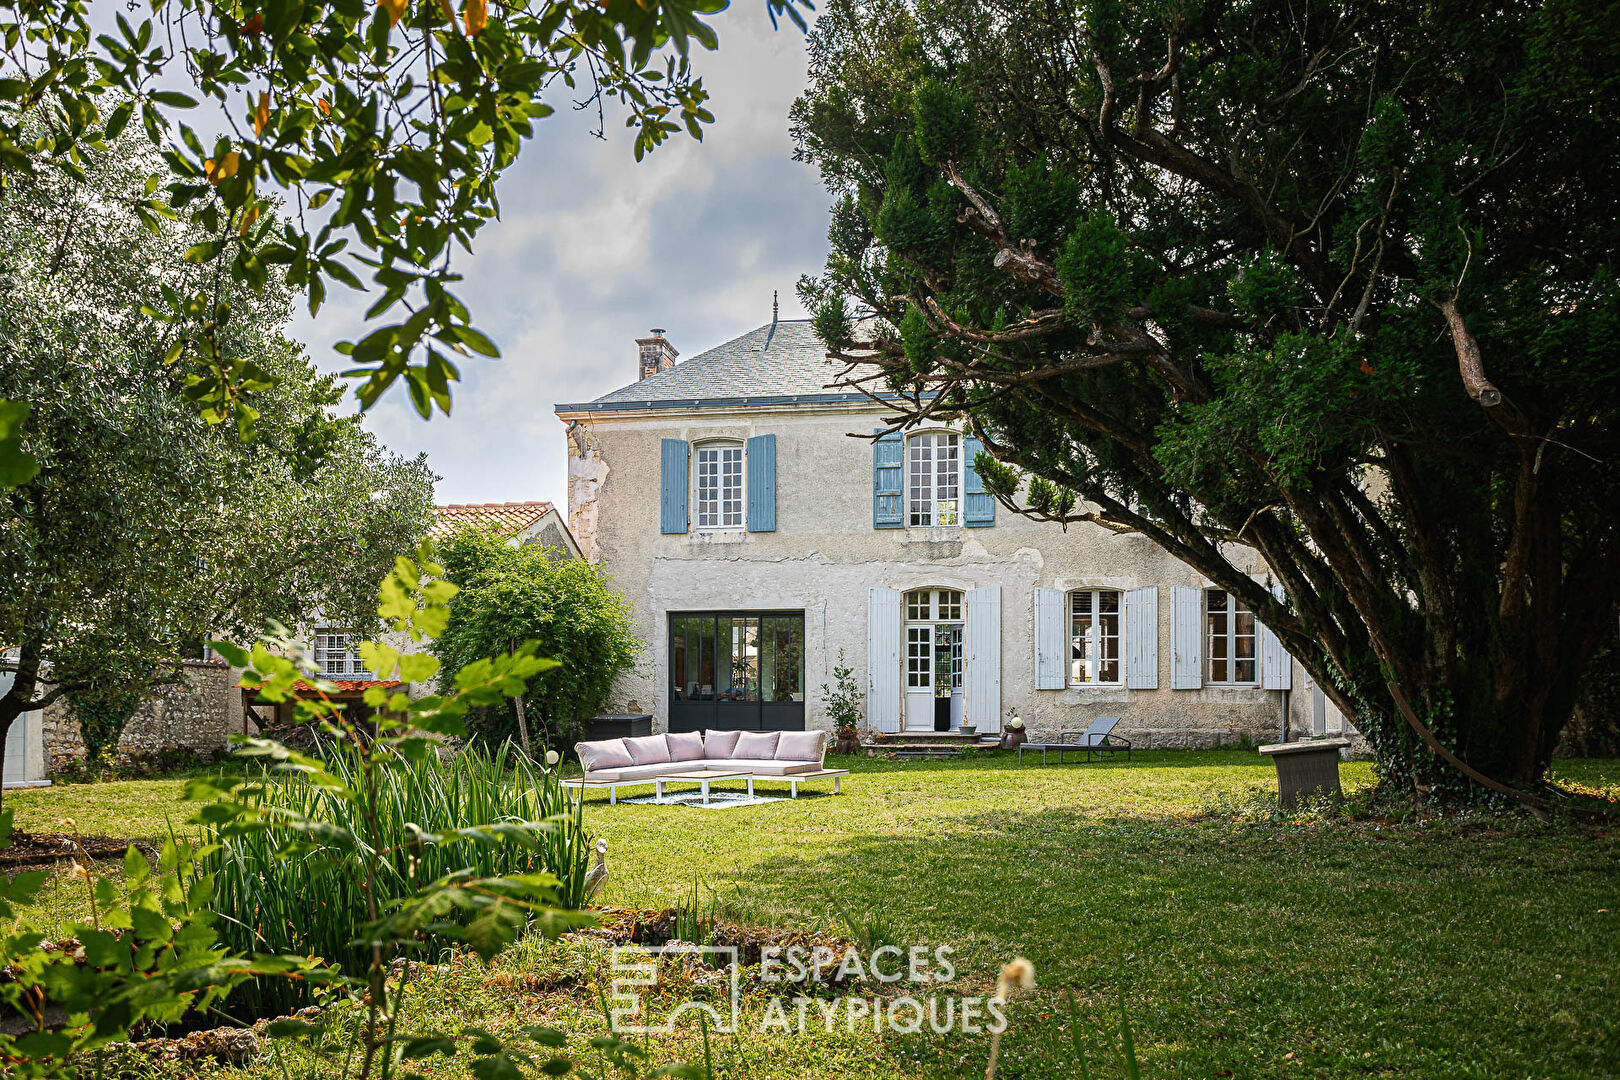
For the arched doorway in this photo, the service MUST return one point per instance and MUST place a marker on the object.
(932, 675)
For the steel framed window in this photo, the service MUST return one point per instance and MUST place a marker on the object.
(736, 656)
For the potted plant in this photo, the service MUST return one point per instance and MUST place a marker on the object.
(846, 706)
(1015, 734)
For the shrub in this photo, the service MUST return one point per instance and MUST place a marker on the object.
(565, 606)
(844, 699)
(315, 905)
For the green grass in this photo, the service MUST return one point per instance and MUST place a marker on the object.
(1469, 946)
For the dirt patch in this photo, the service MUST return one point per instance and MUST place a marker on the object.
(31, 849)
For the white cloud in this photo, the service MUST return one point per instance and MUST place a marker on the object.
(593, 249)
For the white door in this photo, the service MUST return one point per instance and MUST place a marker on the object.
(920, 678)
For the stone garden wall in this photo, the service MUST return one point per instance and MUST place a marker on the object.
(196, 715)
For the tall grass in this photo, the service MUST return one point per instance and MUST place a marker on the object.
(314, 905)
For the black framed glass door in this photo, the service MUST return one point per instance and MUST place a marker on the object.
(736, 670)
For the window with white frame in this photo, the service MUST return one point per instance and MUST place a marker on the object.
(335, 656)
(934, 605)
(1233, 640)
(1094, 637)
(935, 486)
(720, 486)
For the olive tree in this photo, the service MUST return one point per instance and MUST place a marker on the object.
(145, 529)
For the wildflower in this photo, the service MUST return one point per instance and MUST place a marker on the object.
(78, 872)
(552, 757)
(1017, 974)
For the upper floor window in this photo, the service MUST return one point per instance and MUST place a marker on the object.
(335, 656)
(935, 462)
(1232, 638)
(1094, 637)
(720, 486)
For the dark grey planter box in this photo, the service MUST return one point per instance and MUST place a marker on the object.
(1306, 768)
(617, 726)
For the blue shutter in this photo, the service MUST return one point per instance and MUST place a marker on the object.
(762, 483)
(979, 506)
(672, 487)
(888, 453)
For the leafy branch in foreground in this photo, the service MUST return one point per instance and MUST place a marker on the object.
(484, 912)
(150, 954)
(386, 125)
(146, 955)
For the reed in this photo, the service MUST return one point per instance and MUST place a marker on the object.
(314, 904)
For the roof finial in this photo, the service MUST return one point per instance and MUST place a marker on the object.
(773, 307)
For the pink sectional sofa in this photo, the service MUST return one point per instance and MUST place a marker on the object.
(611, 762)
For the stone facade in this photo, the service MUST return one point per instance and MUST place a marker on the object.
(587, 472)
(197, 714)
(825, 554)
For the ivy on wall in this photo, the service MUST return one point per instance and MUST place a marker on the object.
(102, 712)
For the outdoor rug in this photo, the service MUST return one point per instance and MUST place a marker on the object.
(718, 800)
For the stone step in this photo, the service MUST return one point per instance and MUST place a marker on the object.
(912, 750)
(939, 738)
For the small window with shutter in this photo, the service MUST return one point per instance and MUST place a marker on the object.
(718, 486)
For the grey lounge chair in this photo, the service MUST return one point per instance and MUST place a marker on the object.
(1098, 738)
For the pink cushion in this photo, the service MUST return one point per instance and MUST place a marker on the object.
(755, 744)
(800, 745)
(602, 754)
(684, 745)
(720, 744)
(647, 749)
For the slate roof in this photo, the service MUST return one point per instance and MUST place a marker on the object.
(502, 518)
(778, 363)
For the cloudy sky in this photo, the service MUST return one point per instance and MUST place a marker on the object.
(594, 249)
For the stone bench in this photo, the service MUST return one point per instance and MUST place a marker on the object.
(1306, 768)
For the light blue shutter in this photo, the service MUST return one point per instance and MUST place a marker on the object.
(979, 506)
(762, 483)
(1276, 666)
(672, 487)
(1051, 640)
(1186, 638)
(1142, 638)
(883, 658)
(888, 453)
(981, 658)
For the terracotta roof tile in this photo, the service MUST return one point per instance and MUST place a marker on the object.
(504, 518)
(350, 686)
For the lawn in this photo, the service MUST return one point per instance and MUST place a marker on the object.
(1242, 946)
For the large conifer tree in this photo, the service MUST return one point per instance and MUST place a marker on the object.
(1331, 280)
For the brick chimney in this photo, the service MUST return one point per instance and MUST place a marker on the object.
(657, 354)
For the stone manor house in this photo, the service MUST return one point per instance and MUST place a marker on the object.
(760, 533)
